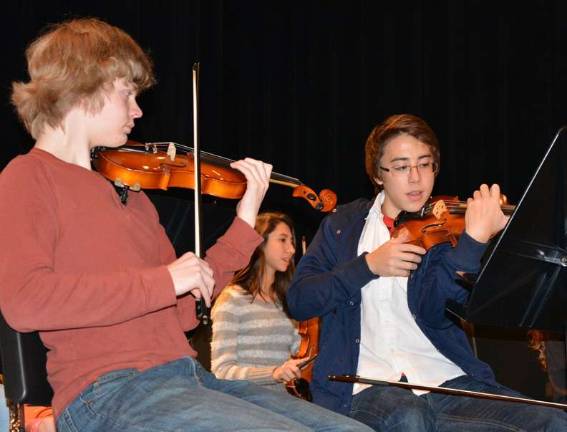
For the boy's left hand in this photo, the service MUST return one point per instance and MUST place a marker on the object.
(484, 217)
(257, 175)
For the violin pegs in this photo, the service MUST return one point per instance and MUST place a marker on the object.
(329, 200)
(324, 202)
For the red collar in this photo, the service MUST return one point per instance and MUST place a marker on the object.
(389, 222)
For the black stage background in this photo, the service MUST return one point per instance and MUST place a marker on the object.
(301, 83)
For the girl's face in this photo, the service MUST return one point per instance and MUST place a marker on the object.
(279, 248)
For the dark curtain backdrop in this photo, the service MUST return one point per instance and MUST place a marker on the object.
(301, 83)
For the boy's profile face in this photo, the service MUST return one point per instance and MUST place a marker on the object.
(111, 125)
(407, 175)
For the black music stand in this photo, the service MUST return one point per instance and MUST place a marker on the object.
(25, 377)
(523, 280)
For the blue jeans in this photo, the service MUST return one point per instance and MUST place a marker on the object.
(182, 396)
(388, 409)
(4, 414)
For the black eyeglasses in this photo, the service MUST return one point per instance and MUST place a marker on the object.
(405, 170)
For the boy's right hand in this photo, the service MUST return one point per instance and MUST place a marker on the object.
(395, 257)
(190, 273)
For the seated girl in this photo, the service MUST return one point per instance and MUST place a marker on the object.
(253, 337)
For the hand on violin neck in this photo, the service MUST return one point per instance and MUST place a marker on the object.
(395, 257)
(288, 371)
(484, 217)
(192, 274)
(257, 175)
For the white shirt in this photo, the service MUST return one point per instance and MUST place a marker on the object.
(391, 343)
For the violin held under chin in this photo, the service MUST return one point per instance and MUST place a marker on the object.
(161, 165)
(441, 220)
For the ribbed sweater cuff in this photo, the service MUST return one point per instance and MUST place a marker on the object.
(158, 288)
(261, 375)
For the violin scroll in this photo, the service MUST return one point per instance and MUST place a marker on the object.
(324, 202)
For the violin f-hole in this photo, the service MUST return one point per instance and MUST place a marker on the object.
(436, 233)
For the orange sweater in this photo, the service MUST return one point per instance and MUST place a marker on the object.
(90, 273)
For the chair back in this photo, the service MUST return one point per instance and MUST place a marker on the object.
(23, 365)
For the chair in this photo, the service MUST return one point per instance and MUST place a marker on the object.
(25, 378)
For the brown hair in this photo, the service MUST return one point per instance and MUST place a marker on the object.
(250, 278)
(392, 127)
(72, 63)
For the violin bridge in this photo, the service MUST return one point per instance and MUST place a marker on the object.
(171, 151)
(439, 209)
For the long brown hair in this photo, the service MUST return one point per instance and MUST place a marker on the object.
(250, 278)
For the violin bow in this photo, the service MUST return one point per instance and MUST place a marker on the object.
(201, 307)
(446, 390)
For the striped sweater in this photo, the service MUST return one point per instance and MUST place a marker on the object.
(250, 339)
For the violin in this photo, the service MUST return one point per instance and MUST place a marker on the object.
(441, 220)
(160, 165)
(309, 349)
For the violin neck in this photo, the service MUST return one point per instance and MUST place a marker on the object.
(284, 180)
(460, 207)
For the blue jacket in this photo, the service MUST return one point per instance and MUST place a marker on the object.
(328, 283)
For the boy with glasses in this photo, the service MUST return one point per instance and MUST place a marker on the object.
(382, 301)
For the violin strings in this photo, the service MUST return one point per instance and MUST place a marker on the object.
(221, 160)
(460, 207)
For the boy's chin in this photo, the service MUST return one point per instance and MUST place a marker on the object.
(414, 207)
(118, 142)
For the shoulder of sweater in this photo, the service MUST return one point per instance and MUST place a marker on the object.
(143, 201)
(232, 294)
(235, 291)
(27, 174)
(24, 166)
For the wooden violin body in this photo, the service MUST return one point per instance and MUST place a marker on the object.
(138, 168)
(308, 349)
(309, 346)
(441, 220)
